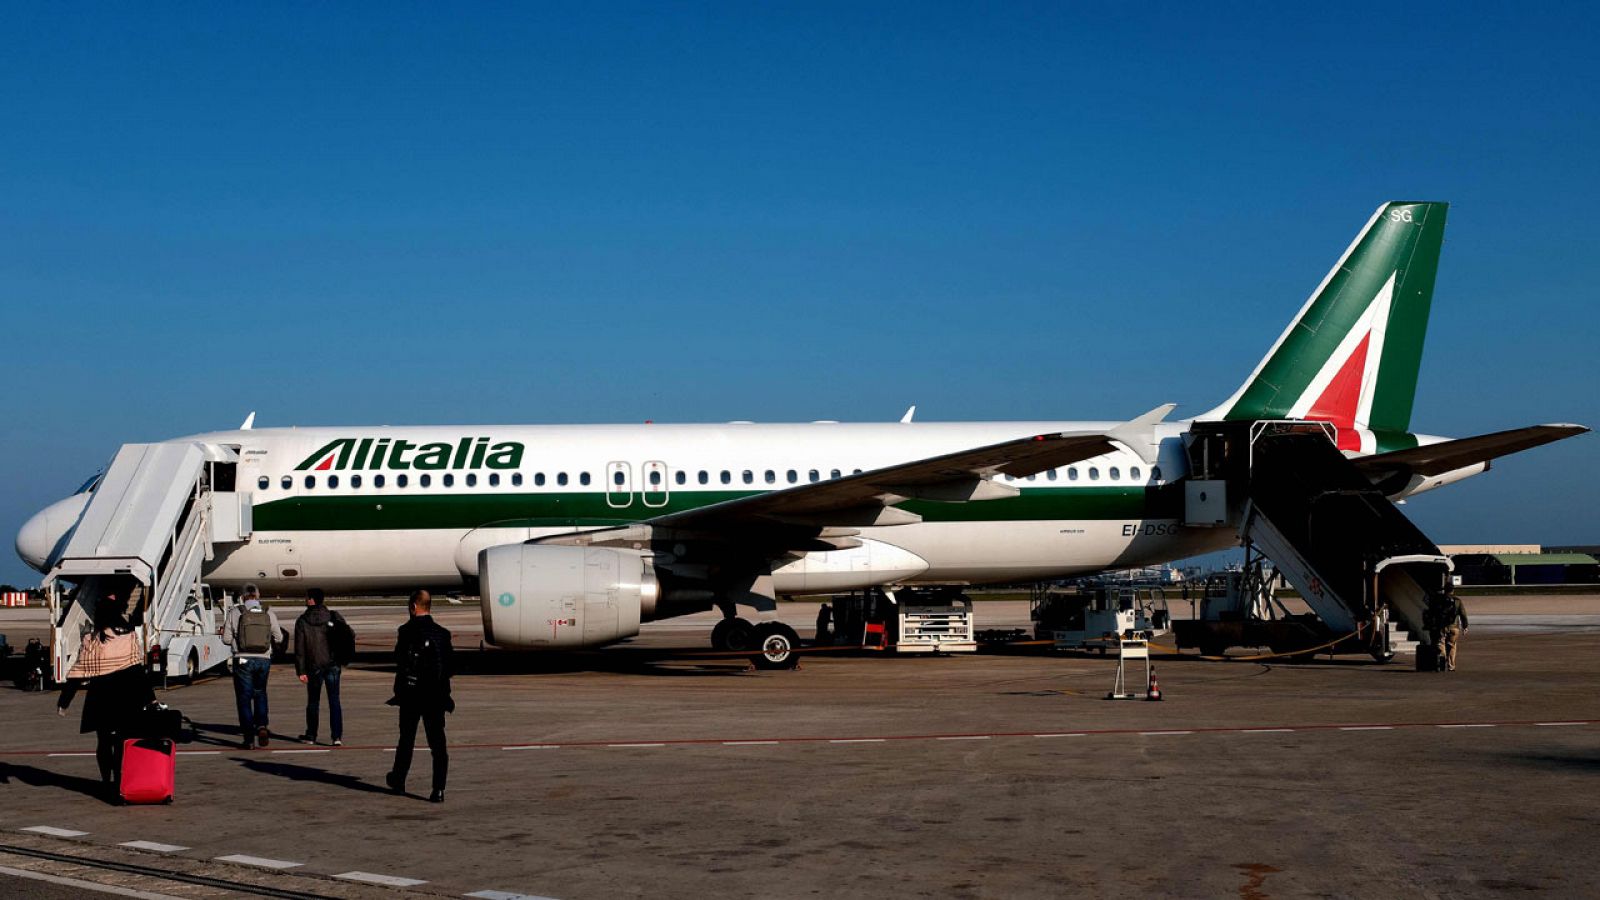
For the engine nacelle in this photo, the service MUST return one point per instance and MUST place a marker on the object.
(548, 597)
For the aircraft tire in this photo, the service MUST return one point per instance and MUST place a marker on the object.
(733, 634)
(776, 644)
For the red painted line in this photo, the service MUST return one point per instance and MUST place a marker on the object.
(884, 738)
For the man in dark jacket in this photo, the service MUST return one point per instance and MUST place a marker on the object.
(321, 642)
(422, 691)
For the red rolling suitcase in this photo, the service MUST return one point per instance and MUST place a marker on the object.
(149, 766)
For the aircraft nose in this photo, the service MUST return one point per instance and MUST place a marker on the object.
(33, 541)
(41, 535)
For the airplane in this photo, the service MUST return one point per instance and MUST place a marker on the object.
(574, 535)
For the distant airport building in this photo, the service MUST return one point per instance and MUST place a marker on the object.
(1522, 564)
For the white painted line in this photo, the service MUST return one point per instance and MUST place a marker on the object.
(387, 880)
(1367, 728)
(857, 740)
(741, 744)
(534, 747)
(1165, 732)
(1062, 734)
(636, 745)
(93, 886)
(153, 845)
(965, 737)
(324, 750)
(72, 754)
(1267, 731)
(1557, 724)
(505, 895)
(199, 752)
(54, 831)
(244, 860)
(1464, 726)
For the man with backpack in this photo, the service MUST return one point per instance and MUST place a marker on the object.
(250, 629)
(422, 691)
(323, 644)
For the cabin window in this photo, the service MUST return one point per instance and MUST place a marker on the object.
(333, 481)
(1094, 474)
(1033, 477)
(655, 478)
(1072, 473)
(617, 479)
(355, 480)
(377, 480)
(1116, 474)
(681, 477)
(561, 478)
(448, 480)
(727, 477)
(311, 482)
(794, 477)
(287, 482)
(538, 479)
(424, 480)
(1133, 474)
(834, 474)
(494, 479)
(401, 480)
(703, 477)
(814, 476)
(472, 479)
(516, 479)
(263, 482)
(855, 472)
(749, 477)
(583, 478)
(772, 477)
(1155, 473)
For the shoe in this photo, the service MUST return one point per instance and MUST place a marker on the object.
(307, 739)
(247, 745)
(437, 796)
(338, 743)
(395, 783)
(263, 737)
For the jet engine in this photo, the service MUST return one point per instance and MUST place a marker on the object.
(544, 597)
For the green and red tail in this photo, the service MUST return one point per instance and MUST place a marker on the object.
(1351, 355)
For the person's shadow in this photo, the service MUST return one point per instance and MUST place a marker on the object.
(307, 773)
(37, 777)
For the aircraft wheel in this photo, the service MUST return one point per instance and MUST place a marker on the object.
(775, 644)
(733, 634)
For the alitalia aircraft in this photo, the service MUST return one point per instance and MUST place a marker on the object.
(576, 534)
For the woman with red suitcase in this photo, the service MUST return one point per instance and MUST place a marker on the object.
(111, 666)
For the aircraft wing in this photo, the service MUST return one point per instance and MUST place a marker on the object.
(1447, 456)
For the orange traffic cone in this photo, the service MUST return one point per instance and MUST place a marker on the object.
(1155, 686)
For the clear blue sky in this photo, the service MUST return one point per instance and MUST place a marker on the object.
(437, 213)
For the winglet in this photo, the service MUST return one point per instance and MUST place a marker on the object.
(1139, 434)
(906, 419)
(249, 421)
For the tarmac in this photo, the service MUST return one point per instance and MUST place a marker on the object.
(656, 770)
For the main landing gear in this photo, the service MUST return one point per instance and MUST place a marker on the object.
(774, 643)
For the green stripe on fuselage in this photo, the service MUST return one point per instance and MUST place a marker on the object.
(357, 512)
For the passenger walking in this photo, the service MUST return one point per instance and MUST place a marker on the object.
(111, 665)
(321, 648)
(1452, 625)
(824, 625)
(250, 630)
(422, 691)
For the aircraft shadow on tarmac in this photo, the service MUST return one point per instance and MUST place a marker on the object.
(470, 663)
(1584, 761)
(37, 777)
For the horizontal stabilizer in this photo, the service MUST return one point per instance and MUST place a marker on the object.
(1448, 456)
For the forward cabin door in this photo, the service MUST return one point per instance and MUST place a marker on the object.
(619, 485)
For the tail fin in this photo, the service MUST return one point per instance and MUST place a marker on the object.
(1351, 355)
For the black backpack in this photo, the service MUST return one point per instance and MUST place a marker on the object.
(422, 662)
(341, 640)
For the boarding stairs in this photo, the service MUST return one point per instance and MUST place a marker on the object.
(148, 529)
(1355, 559)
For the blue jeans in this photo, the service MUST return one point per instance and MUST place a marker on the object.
(315, 679)
(250, 690)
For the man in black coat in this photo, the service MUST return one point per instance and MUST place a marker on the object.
(422, 691)
(322, 642)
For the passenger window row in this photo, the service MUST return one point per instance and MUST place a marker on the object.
(656, 479)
